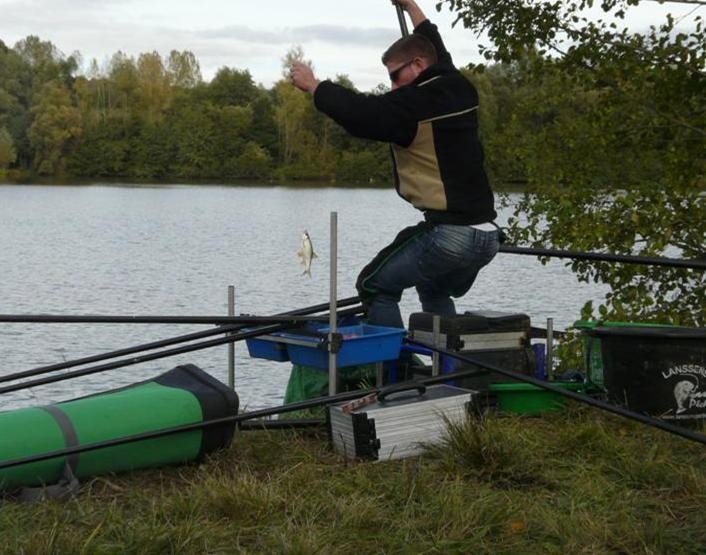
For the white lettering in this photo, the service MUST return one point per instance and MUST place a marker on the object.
(685, 370)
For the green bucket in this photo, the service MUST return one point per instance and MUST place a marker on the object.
(524, 398)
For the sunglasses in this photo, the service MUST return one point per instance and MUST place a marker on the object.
(395, 74)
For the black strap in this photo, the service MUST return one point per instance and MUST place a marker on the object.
(68, 431)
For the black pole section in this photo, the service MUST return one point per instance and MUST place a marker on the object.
(262, 413)
(154, 356)
(620, 411)
(106, 319)
(577, 255)
(158, 344)
(286, 424)
(402, 20)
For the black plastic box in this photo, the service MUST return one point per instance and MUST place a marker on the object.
(496, 338)
(474, 331)
(660, 371)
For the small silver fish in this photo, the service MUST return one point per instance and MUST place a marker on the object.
(306, 254)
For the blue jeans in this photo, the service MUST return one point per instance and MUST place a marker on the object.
(441, 263)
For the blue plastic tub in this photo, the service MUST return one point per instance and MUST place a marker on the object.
(270, 350)
(277, 351)
(362, 344)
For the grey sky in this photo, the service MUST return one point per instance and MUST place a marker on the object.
(338, 37)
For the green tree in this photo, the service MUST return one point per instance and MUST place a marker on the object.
(193, 129)
(264, 128)
(57, 122)
(611, 134)
(15, 101)
(46, 61)
(153, 91)
(122, 73)
(254, 162)
(8, 155)
(232, 87)
(183, 69)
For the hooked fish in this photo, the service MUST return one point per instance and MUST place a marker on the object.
(306, 254)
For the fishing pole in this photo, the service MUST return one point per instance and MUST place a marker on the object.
(402, 20)
(107, 319)
(159, 344)
(629, 259)
(597, 403)
(239, 336)
(286, 424)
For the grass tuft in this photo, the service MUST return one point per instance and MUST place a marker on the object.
(482, 448)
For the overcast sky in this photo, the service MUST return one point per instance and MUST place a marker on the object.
(339, 37)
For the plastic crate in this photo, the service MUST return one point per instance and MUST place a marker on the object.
(362, 344)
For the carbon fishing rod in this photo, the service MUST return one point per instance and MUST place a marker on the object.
(401, 19)
(107, 319)
(239, 336)
(620, 411)
(628, 259)
(252, 415)
(159, 344)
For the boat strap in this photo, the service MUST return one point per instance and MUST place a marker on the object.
(68, 484)
(69, 432)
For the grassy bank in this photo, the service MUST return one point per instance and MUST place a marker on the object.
(574, 482)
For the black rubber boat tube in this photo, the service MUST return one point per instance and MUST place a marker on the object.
(232, 338)
(160, 344)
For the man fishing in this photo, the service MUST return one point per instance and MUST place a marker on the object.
(430, 118)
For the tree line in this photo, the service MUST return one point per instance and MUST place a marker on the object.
(154, 117)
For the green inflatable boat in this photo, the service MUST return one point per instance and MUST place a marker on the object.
(184, 395)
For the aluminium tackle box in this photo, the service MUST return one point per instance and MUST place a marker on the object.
(500, 339)
(473, 331)
(397, 423)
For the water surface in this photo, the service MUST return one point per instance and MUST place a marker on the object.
(173, 250)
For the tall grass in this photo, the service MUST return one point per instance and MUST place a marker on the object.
(573, 482)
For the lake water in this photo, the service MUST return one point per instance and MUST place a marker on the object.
(173, 250)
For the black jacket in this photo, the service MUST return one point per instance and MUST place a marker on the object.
(432, 125)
